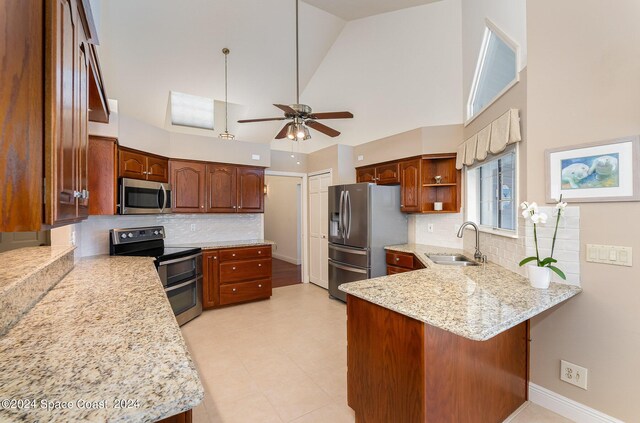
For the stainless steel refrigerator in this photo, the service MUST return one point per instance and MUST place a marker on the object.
(363, 219)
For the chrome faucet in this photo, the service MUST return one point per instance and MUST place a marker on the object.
(478, 255)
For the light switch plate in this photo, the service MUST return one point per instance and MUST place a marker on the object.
(609, 254)
(255, 157)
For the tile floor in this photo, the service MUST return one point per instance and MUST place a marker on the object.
(282, 360)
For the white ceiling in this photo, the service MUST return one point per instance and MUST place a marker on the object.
(356, 9)
(395, 71)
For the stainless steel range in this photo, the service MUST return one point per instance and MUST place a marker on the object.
(180, 269)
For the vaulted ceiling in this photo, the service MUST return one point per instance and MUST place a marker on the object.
(394, 71)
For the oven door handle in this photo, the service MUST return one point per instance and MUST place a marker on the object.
(164, 263)
(189, 282)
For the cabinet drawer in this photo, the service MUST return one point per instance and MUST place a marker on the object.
(400, 259)
(245, 253)
(245, 291)
(236, 271)
(393, 270)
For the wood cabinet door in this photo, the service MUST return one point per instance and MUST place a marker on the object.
(211, 284)
(103, 178)
(388, 174)
(250, 190)
(157, 169)
(83, 126)
(366, 174)
(410, 186)
(221, 188)
(21, 106)
(62, 52)
(132, 165)
(188, 186)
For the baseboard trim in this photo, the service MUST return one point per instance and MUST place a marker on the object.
(286, 258)
(513, 415)
(567, 407)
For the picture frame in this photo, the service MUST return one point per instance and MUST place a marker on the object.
(595, 172)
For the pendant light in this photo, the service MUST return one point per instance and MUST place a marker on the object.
(226, 135)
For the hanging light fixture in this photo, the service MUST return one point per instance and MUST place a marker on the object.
(226, 135)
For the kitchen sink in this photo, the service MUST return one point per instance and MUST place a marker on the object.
(452, 260)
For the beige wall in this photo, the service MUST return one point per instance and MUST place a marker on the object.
(583, 86)
(281, 216)
(338, 158)
(283, 162)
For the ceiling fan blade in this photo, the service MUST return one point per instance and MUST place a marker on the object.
(286, 109)
(260, 120)
(322, 128)
(331, 115)
(283, 132)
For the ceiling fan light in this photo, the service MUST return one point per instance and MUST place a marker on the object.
(301, 131)
(291, 132)
(307, 134)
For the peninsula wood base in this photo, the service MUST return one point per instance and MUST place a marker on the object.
(403, 370)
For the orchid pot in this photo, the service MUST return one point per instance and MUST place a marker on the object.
(539, 269)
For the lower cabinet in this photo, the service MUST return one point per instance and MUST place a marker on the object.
(400, 262)
(236, 275)
(184, 417)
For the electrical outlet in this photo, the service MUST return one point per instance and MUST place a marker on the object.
(573, 374)
(430, 227)
(255, 157)
(360, 158)
(193, 227)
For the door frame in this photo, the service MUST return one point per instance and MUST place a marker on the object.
(304, 230)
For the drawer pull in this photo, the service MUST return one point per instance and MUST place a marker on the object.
(233, 268)
(233, 255)
(259, 251)
(260, 286)
(397, 258)
(215, 257)
(234, 290)
(259, 264)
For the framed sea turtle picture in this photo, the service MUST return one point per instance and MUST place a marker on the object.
(596, 172)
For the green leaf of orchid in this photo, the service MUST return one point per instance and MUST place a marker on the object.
(547, 261)
(558, 272)
(527, 260)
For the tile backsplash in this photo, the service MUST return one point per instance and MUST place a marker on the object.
(93, 233)
(445, 228)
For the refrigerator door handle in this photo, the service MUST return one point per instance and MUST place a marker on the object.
(348, 206)
(348, 250)
(340, 208)
(347, 268)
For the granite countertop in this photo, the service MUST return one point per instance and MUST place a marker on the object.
(214, 245)
(104, 333)
(476, 302)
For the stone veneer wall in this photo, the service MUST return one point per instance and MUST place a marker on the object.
(93, 234)
(507, 252)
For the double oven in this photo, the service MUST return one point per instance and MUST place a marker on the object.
(179, 268)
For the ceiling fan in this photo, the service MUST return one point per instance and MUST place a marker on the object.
(301, 116)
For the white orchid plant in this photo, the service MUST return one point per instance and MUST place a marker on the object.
(530, 211)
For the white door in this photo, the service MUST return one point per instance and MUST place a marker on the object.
(318, 227)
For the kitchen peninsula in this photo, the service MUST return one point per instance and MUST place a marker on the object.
(442, 344)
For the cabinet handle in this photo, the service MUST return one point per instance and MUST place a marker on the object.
(202, 207)
(260, 252)
(259, 264)
(233, 254)
(397, 258)
(234, 290)
(233, 268)
(215, 257)
(260, 286)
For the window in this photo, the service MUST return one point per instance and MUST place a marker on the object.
(496, 70)
(192, 111)
(491, 192)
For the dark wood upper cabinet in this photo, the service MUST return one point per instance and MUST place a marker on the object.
(188, 181)
(21, 105)
(221, 188)
(140, 165)
(157, 169)
(250, 190)
(388, 174)
(132, 164)
(410, 183)
(366, 174)
(83, 129)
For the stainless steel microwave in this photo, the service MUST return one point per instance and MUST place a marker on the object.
(144, 197)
